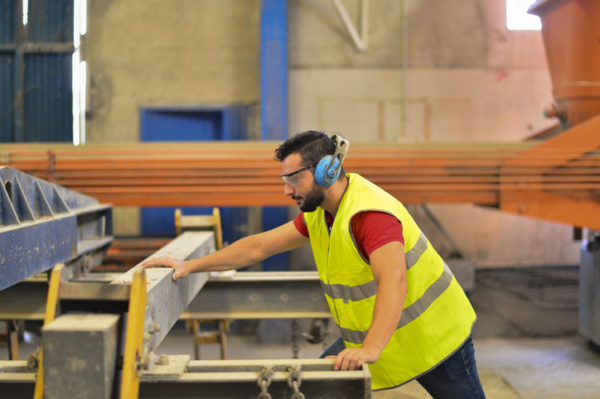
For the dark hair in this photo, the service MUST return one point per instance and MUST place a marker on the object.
(311, 145)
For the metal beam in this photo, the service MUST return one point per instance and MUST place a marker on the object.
(243, 295)
(222, 379)
(260, 295)
(42, 224)
(166, 299)
(274, 101)
(240, 379)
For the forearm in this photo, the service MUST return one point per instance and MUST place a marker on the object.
(391, 294)
(241, 253)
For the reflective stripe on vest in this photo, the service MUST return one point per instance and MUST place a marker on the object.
(367, 290)
(411, 312)
(348, 293)
(413, 255)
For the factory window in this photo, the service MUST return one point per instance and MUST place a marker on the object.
(42, 71)
(517, 17)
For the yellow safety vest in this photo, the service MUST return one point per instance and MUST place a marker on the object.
(437, 317)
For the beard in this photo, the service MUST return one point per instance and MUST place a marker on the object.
(312, 200)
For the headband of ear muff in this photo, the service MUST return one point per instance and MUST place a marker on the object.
(329, 167)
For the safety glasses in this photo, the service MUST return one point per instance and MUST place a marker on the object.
(293, 178)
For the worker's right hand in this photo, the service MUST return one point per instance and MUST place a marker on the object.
(179, 269)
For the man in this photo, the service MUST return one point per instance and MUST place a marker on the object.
(398, 306)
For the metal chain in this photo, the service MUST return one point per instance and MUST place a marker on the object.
(295, 347)
(264, 380)
(294, 381)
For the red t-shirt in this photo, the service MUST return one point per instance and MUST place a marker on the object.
(371, 229)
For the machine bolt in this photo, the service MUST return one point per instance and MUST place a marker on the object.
(163, 360)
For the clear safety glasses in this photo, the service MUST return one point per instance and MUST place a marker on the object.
(293, 179)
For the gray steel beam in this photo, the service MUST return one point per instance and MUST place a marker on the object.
(42, 224)
(260, 295)
(166, 299)
(220, 379)
(243, 295)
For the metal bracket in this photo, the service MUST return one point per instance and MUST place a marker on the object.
(361, 41)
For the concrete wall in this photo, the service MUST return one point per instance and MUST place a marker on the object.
(434, 71)
(153, 52)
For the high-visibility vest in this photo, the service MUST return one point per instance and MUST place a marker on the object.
(437, 317)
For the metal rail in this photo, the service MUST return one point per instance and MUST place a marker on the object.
(530, 178)
(244, 295)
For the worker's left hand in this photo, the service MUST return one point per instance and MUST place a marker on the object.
(179, 269)
(354, 358)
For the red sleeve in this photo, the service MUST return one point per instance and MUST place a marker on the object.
(373, 229)
(300, 224)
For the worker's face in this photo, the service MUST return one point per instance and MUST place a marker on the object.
(300, 184)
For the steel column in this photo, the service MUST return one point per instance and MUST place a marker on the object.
(273, 100)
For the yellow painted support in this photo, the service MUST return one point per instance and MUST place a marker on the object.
(51, 306)
(133, 357)
(218, 228)
(177, 221)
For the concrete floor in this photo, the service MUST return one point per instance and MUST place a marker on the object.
(520, 368)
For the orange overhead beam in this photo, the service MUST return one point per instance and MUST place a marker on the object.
(510, 176)
(548, 206)
(568, 146)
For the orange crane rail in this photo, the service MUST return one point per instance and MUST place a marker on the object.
(558, 179)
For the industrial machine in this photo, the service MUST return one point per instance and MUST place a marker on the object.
(574, 60)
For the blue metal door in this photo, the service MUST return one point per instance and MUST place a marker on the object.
(212, 123)
(36, 100)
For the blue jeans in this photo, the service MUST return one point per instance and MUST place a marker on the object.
(455, 378)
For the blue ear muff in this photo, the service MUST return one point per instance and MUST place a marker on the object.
(329, 167)
(327, 171)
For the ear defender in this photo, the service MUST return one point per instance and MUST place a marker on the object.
(329, 167)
